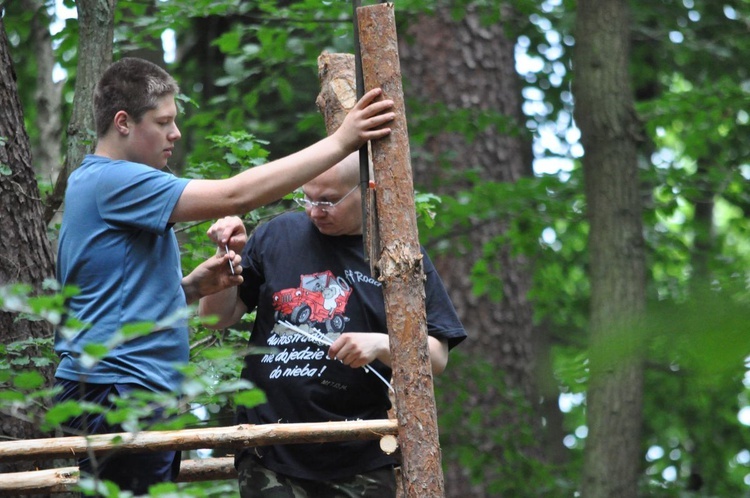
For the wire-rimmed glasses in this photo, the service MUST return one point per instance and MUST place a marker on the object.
(324, 206)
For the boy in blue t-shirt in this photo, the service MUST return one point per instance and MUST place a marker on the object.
(118, 247)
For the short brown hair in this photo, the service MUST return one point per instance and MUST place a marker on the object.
(132, 85)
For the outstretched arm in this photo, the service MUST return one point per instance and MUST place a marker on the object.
(205, 199)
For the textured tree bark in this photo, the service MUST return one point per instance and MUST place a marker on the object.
(95, 41)
(609, 130)
(25, 252)
(400, 263)
(338, 88)
(464, 65)
(338, 94)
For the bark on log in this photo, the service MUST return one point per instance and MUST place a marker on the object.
(47, 481)
(400, 263)
(238, 436)
(63, 480)
(338, 94)
(207, 469)
(338, 88)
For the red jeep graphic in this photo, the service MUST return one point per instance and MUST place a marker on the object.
(320, 299)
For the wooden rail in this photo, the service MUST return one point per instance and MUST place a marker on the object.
(64, 480)
(237, 436)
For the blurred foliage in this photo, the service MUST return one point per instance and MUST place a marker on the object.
(249, 80)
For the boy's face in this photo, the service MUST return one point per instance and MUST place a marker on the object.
(151, 141)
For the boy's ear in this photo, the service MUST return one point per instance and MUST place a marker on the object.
(121, 123)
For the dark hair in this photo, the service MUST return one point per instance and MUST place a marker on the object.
(132, 85)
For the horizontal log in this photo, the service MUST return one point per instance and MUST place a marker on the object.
(207, 469)
(237, 436)
(39, 481)
(64, 480)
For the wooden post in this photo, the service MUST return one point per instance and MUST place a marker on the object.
(400, 263)
(338, 94)
(338, 90)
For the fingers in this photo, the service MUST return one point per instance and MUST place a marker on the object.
(348, 352)
(383, 107)
(368, 97)
(373, 129)
(374, 118)
(334, 349)
(374, 113)
(368, 101)
(228, 230)
(229, 261)
(232, 281)
(219, 233)
(233, 259)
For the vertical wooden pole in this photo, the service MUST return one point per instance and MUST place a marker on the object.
(338, 94)
(400, 263)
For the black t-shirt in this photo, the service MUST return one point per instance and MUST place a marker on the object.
(292, 272)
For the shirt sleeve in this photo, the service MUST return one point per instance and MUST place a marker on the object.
(138, 196)
(442, 319)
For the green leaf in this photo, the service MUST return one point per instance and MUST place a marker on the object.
(229, 42)
(218, 353)
(11, 396)
(63, 412)
(96, 350)
(28, 380)
(250, 398)
(131, 330)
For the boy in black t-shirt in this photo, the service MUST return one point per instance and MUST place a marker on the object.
(324, 314)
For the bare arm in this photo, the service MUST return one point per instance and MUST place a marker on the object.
(361, 348)
(255, 187)
(225, 305)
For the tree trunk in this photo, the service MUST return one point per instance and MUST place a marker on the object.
(47, 96)
(465, 65)
(25, 252)
(96, 37)
(605, 114)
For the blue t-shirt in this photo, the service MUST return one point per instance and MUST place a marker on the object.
(117, 246)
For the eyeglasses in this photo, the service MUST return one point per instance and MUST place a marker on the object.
(324, 206)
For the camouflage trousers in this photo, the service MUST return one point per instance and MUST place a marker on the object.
(257, 481)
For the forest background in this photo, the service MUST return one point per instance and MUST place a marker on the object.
(591, 229)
